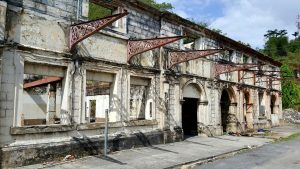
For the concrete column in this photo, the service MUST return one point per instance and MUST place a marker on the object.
(83, 93)
(3, 7)
(77, 95)
(51, 105)
(11, 93)
(125, 94)
(165, 106)
(203, 116)
(232, 119)
(66, 97)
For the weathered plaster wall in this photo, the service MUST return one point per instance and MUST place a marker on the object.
(31, 30)
(100, 46)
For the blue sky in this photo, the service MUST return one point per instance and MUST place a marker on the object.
(244, 20)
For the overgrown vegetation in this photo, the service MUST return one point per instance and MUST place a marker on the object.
(290, 89)
(291, 137)
(279, 47)
(164, 6)
(97, 11)
(206, 25)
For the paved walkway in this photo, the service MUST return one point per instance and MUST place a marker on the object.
(170, 155)
(164, 156)
(282, 155)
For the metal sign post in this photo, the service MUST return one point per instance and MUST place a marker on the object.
(106, 132)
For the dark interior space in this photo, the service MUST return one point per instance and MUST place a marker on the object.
(272, 104)
(225, 102)
(189, 116)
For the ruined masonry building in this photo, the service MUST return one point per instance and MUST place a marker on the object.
(55, 91)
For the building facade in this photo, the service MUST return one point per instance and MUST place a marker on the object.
(53, 100)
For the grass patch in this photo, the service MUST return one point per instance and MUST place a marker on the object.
(291, 137)
(268, 133)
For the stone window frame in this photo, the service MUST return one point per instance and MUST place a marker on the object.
(19, 119)
(151, 102)
(97, 71)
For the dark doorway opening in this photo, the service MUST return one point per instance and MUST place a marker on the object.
(272, 104)
(225, 102)
(189, 117)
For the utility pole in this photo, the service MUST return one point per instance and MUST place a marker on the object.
(106, 133)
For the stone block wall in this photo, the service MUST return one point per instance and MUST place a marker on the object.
(11, 90)
(142, 25)
(61, 9)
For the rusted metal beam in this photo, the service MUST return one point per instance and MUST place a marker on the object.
(45, 80)
(177, 57)
(227, 68)
(81, 31)
(136, 47)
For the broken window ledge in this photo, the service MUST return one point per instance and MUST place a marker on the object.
(132, 123)
(262, 117)
(41, 129)
(90, 126)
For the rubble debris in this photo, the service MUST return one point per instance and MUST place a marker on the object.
(69, 158)
(291, 116)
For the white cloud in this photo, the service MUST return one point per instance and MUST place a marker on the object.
(244, 20)
(248, 20)
(188, 9)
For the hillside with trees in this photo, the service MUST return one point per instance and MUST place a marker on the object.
(281, 48)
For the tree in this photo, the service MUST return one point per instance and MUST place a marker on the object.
(295, 34)
(276, 44)
(287, 52)
(290, 90)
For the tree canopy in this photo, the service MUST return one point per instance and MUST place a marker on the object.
(290, 90)
(279, 47)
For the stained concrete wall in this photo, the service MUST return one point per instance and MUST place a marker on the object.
(34, 106)
(104, 47)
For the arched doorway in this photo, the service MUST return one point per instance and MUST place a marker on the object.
(191, 97)
(272, 104)
(247, 110)
(225, 106)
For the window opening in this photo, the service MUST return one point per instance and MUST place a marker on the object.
(97, 100)
(97, 11)
(42, 96)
